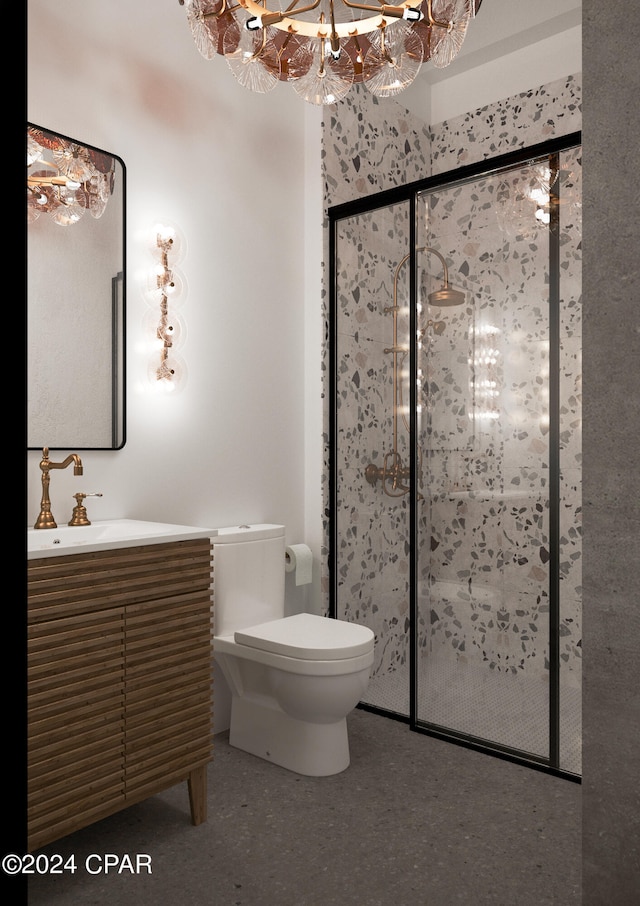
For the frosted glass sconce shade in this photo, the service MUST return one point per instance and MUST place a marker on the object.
(167, 239)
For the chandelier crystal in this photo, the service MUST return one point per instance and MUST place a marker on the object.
(66, 179)
(323, 47)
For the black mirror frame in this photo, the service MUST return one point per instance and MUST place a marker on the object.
(118, 320)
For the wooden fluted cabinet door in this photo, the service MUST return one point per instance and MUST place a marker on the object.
(75, 722)
(167, 692)
(119, 682)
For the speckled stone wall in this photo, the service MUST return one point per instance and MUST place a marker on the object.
(484, 520)
(370, 144)
(517, 122)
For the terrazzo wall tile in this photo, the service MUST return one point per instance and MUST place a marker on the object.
(570, 428)
(483, 386)
(517, 122)
(370, 526)
(370, 144)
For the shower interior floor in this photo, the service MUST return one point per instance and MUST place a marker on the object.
(500, 707)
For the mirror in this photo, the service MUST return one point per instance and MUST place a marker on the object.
(75, 294)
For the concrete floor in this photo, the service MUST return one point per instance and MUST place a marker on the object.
(414, 821)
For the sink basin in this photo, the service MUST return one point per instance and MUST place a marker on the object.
(110, 533)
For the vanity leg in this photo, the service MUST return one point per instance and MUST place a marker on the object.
(198, 794)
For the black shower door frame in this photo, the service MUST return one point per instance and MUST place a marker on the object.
(407, 194)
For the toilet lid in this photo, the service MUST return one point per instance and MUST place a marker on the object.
(308, 636)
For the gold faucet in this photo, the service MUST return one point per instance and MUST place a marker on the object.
(45, 519)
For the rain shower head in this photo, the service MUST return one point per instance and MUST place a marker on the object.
(446, 297)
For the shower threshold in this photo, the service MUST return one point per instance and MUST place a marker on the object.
(472, 700)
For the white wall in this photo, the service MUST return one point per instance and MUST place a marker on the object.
(228, 166)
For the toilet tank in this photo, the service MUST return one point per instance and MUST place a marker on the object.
(248, 576)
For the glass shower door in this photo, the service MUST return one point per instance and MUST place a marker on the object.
(455, 451)
(488, 537)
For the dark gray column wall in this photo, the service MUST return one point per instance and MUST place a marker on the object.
(611, 489)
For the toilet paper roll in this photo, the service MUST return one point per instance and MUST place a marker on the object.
(299, 559)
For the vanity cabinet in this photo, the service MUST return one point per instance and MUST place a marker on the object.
(119, 690)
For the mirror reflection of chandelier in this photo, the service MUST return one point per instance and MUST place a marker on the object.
(323, 47)
(66, 179)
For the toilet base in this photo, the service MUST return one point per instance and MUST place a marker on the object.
(314, 750)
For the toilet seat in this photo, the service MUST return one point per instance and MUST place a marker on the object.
(305, 644)
(308, 637)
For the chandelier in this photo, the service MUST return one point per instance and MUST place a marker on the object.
(323, 47)
(66, 179)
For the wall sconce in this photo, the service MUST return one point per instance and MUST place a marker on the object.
(165, 293)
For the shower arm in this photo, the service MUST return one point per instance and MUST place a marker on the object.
(397, 473)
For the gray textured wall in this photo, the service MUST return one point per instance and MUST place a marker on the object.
(611, 490)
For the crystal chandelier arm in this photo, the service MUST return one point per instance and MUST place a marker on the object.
(432, 18)
(287, 22)
(292, 11)
(403, 11)
(273, 18)
(35, 181)
(260, 50)
(217, 13)
(226, 6)
(333, 38)
(383, 45)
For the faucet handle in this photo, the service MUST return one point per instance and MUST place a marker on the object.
(79, 515)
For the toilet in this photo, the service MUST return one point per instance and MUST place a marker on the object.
(293, 679)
